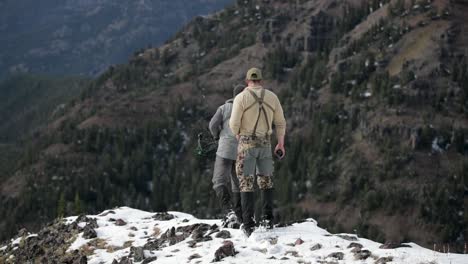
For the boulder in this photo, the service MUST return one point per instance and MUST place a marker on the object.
(148, 260)
(107, 213)
(194, 256)
(316, 247)
(348, 237)
(137, 253)
(223, 234)
(120, 222)
(226, 250)
(299, 241)
(163, 216)
(392, 245)
(363, 254)
(89, 232)
(336, 255)
(355, 245)
(384, 260)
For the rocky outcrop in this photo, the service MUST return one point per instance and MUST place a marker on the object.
(50, 244)
(226, 250)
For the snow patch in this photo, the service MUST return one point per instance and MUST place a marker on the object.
(262, 247)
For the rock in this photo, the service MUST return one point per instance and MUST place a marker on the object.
(223, 234)
(194, 256)
(23, 232)
(384, 260)
(336, 255)
(133, 228)
(356, 250)
(89, 232)
(299, 241)
(226, 250)
(363, 254)
(107, 213)
(92, 222)
(173, 236)
(137, 253)
(348, 237)
(83, 260)
(261, 250)
(163, 216)
(212, 232)
(148, 260)
(355, 245)
(273, 240)
(198, 233)
(81, 218)
(192, 243)
(120, 222)
(316, 247)
(392, 245)
(124, 260)
(292, 253)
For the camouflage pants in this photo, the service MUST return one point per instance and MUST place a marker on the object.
(254, 159)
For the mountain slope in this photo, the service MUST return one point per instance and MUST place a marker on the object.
(85, 37)
(28, 101)
(126, 235)
(375, 94)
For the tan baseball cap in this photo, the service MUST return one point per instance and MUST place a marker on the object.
(254, 74)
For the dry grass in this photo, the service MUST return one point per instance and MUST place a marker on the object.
(156, 231)
(419, 45)
(127, 244)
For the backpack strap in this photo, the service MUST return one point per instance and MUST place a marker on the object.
(260, 101)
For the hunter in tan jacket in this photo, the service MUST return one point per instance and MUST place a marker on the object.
(254, 112)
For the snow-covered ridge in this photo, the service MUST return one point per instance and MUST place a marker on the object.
(126, 235)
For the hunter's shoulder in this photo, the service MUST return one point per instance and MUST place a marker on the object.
(241, 97)
(271, 94)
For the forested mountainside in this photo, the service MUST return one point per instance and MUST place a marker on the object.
(85, 37)
(376, 98)
(27, 101)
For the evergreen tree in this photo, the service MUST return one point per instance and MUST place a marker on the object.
(61, 207)
(77, 205)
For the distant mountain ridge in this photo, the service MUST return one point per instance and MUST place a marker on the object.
(85, 37)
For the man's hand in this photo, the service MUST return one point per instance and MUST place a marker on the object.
(280, 147)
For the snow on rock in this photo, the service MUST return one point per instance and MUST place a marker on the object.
(181, 238)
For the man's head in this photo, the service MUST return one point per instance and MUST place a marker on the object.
(253, 76)
(237, 90)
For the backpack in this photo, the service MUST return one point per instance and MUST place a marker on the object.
(206, 147)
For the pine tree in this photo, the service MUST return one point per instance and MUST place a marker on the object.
(61, 205)
(77, 205)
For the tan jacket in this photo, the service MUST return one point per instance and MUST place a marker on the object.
(243, 121)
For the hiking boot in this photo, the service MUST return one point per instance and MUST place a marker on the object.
(237, 206)
(247, 230)
(230, 220)
(224, 198)
(248, 210)
(267, 208)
